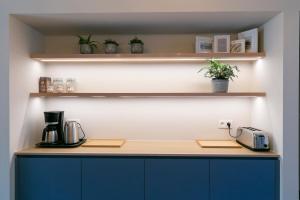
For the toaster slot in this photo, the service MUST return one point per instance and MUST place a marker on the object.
(251, 128)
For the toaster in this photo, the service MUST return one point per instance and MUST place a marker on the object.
(252, 138)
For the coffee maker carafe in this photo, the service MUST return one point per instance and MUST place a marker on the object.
(53, 131)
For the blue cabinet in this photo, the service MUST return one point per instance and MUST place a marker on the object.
(48, 178)
(245, 179)
(112, 179)
(177, 179)
(146, 178)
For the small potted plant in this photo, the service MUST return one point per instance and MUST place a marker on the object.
(111, 46)
(87, 46)
(136, 45)
(220, 74)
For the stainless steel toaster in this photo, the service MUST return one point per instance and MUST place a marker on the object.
(253, 138)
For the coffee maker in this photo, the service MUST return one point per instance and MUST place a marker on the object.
(53, 131)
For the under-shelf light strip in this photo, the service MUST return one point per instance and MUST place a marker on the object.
(144, 59)
(142, 96)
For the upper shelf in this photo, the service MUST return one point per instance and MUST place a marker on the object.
(154, 94)
(147, 57)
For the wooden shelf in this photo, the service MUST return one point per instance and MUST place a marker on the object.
(168, 94)
(155, 57)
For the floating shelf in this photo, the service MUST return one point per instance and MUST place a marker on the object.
(170, 94)
(155, 57)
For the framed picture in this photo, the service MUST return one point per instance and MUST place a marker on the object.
(251, 38)
(238, 46)
(204, 44)
(222, 43)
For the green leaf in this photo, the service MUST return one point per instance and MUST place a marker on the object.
(218, 70)
(93, 46)
(136, 40)
(89, 38)
(110, 41)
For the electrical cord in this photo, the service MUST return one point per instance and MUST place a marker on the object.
(81, 131)
(229, 127)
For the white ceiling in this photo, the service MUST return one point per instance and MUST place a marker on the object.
(143, 23)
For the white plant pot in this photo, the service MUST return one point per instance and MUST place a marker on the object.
(111, 48)
(86, 49)
(137, 48)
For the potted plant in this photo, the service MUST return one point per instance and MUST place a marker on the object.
(136, 45)
(87, 46)
(220, 74)
(111, 46)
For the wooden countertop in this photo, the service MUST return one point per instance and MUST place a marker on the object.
(150, 148)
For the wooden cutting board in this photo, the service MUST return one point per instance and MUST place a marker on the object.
(103, 143)
(218, 144)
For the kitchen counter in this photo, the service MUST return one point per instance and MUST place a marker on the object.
(150, 148)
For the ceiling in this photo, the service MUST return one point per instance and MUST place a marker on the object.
(146, 23)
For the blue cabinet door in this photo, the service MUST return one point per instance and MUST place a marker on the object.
(113, 179)
(244, 179)
(42, 178)
(177, 179)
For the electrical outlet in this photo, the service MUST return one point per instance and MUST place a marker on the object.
(223, 123)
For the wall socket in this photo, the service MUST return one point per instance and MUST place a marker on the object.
(223, 123)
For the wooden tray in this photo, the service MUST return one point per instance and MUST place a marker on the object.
(218, 144)
(103, 143)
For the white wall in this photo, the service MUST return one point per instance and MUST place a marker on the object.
(148, 118)
(267, 112)
(154, 43)
(25, 113)
(151, 118)
(158, 77)
(290, 10)
(154, 118)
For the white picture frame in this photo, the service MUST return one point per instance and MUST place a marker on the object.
(221, 44)
(251, 38)
(238, 46)
(204, 44)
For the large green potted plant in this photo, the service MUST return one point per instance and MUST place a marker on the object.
(110, 46)
(87, 46)
(220, 74)
(136, 45)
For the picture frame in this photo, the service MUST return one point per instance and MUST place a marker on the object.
(238, 46)
(251, 38)
(204, 44)
(221, 44)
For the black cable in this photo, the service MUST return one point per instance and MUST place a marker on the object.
(229, 125)
(81, 131)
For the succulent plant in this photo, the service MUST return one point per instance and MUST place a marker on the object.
(87, 41)
(135, 40)
(110, 41)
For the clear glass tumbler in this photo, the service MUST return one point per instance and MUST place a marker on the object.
(58, 84)
(70, 85)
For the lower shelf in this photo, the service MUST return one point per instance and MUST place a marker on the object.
(155, 94)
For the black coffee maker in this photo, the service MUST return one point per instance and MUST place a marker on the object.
(53, 131)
